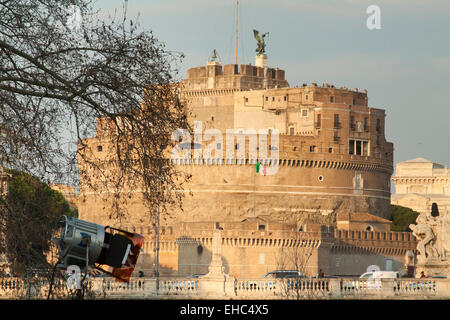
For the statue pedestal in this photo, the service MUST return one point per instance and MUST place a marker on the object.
(433, 267)
(217, 283)
(261, 60)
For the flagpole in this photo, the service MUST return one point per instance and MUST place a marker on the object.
(237, 9)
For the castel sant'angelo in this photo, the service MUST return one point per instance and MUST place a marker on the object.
(326, 190)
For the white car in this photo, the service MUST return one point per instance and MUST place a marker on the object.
(380, 275)
(373, 278)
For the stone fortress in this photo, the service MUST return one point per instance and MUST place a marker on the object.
(330, 196)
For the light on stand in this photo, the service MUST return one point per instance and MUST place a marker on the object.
(85, 244)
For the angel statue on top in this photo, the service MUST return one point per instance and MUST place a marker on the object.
(260, 41)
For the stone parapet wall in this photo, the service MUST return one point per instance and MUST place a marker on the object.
(250, 288)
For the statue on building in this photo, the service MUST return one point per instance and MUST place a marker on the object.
(261, 49)
(423, 231)
(214, 56)
(434, 239)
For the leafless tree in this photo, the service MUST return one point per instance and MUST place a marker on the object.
(304, 241)
(59, 74)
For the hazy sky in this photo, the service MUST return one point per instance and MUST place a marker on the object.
(405, 65)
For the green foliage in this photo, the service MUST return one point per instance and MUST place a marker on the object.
(402, 217)
(32, 220)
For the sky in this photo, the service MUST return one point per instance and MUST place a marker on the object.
(405, 65)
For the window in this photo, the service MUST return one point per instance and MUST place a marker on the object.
(352, 122)
(285, 98)
(330, 150)
(331, 99)
(312, 148)
(336, 121)
(246, 99)
(273, 99)
(365, 150)
(336, 137)
(366, 124)
(261, 227)
(306, 97)
(358, 147)
(212, 118)
(378, 125)
(318, 123)
(291, 131)
(304, 112)
(267, 98)
(99, 148)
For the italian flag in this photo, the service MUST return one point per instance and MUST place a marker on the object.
(260, 168)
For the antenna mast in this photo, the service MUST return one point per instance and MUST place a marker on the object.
(237, 7)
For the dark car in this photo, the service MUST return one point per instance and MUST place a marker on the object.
(284, 274)
(195, 276)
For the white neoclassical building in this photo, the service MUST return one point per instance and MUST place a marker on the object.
(419, 183)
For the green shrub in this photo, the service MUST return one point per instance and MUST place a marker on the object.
(402, 217)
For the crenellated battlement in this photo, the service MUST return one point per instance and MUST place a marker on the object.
(214, 70)
(355, 235)
(242, 77)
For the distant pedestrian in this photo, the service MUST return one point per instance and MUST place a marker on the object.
(422, 275)
(321, 274)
